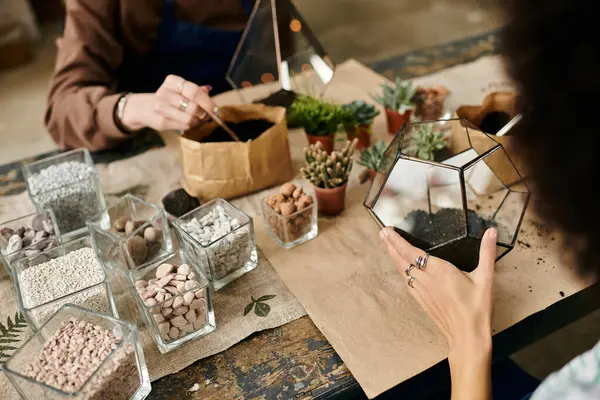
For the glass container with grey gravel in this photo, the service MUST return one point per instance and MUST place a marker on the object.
(70, 273)
(69, 185)
(103, 361)
(221, 238)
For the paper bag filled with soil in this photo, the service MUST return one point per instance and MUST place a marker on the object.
(495, 111)
(214, 165)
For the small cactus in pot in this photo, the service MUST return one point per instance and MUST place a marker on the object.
(357, 118)
(329, 175)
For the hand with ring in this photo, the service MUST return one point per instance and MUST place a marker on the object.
(459, 303)
(177, 105)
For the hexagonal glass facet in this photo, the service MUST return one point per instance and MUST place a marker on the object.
(443, 200)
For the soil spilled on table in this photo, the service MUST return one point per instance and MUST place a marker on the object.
(245, 130)
(448, 224)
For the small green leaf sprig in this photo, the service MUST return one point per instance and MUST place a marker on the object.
(261, 308)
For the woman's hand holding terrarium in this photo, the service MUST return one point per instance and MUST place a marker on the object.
(459, 303)
(177, 105)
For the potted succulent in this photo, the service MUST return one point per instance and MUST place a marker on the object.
(430, 102)
(399, 102)
(373, 160)
(329, 174)
(319, 118)
(357, 118)
(428, 144)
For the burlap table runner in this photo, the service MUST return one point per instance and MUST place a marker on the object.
(150, 176)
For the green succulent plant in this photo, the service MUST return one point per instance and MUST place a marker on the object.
(426, 142)
(328, 170)
(317, 117)
(357, 113)
(398, 96)
(374, 157)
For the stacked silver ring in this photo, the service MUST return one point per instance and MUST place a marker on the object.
(411, 282)
(183, 104)
(408, 269)
(422, 261)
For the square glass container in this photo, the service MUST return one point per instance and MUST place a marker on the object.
(48, 238)
(147, 236)
(174, 315)
(74, 198)
(95, 295)
(225, 255)
(121, 375)
(291, 230)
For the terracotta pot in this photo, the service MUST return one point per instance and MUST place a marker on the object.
(362, 133)
(395, 120)
(372, 174)
(331, 201)
(326, 141)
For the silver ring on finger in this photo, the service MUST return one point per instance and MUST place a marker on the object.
(183, 103)
(408, 269)
(421, 261)
(411, 282)
(180, 86)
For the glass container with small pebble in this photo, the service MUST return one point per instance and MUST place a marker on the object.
(130, 233)
(27, 236)
(175, 300)
(69, 185)
(103, 359)
(221, 238)
(69, 273)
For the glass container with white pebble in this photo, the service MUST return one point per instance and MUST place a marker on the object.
(175, 300)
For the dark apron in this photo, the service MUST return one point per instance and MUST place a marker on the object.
(197, 53)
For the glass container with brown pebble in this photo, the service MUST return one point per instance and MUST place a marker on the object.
(290, 216)
(130, 233)
(175, 300)
(80, 355)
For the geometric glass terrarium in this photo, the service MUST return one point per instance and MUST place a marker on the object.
(278, 45)
(444, 204)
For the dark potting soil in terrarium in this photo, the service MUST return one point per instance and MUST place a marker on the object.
(245, 130)
(494, 121)
(448, 224)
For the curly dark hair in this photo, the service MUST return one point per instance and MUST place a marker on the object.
(552, 51)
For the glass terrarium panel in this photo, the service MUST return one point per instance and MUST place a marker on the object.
(481, 142)
(492, 202)
(418, 196)
(456, 150)
(278, 45)
(464, 253)
(509, 215)
(385, 168)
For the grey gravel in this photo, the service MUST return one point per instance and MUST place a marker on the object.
(232, 250)
(59, 277)
(69, 189)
